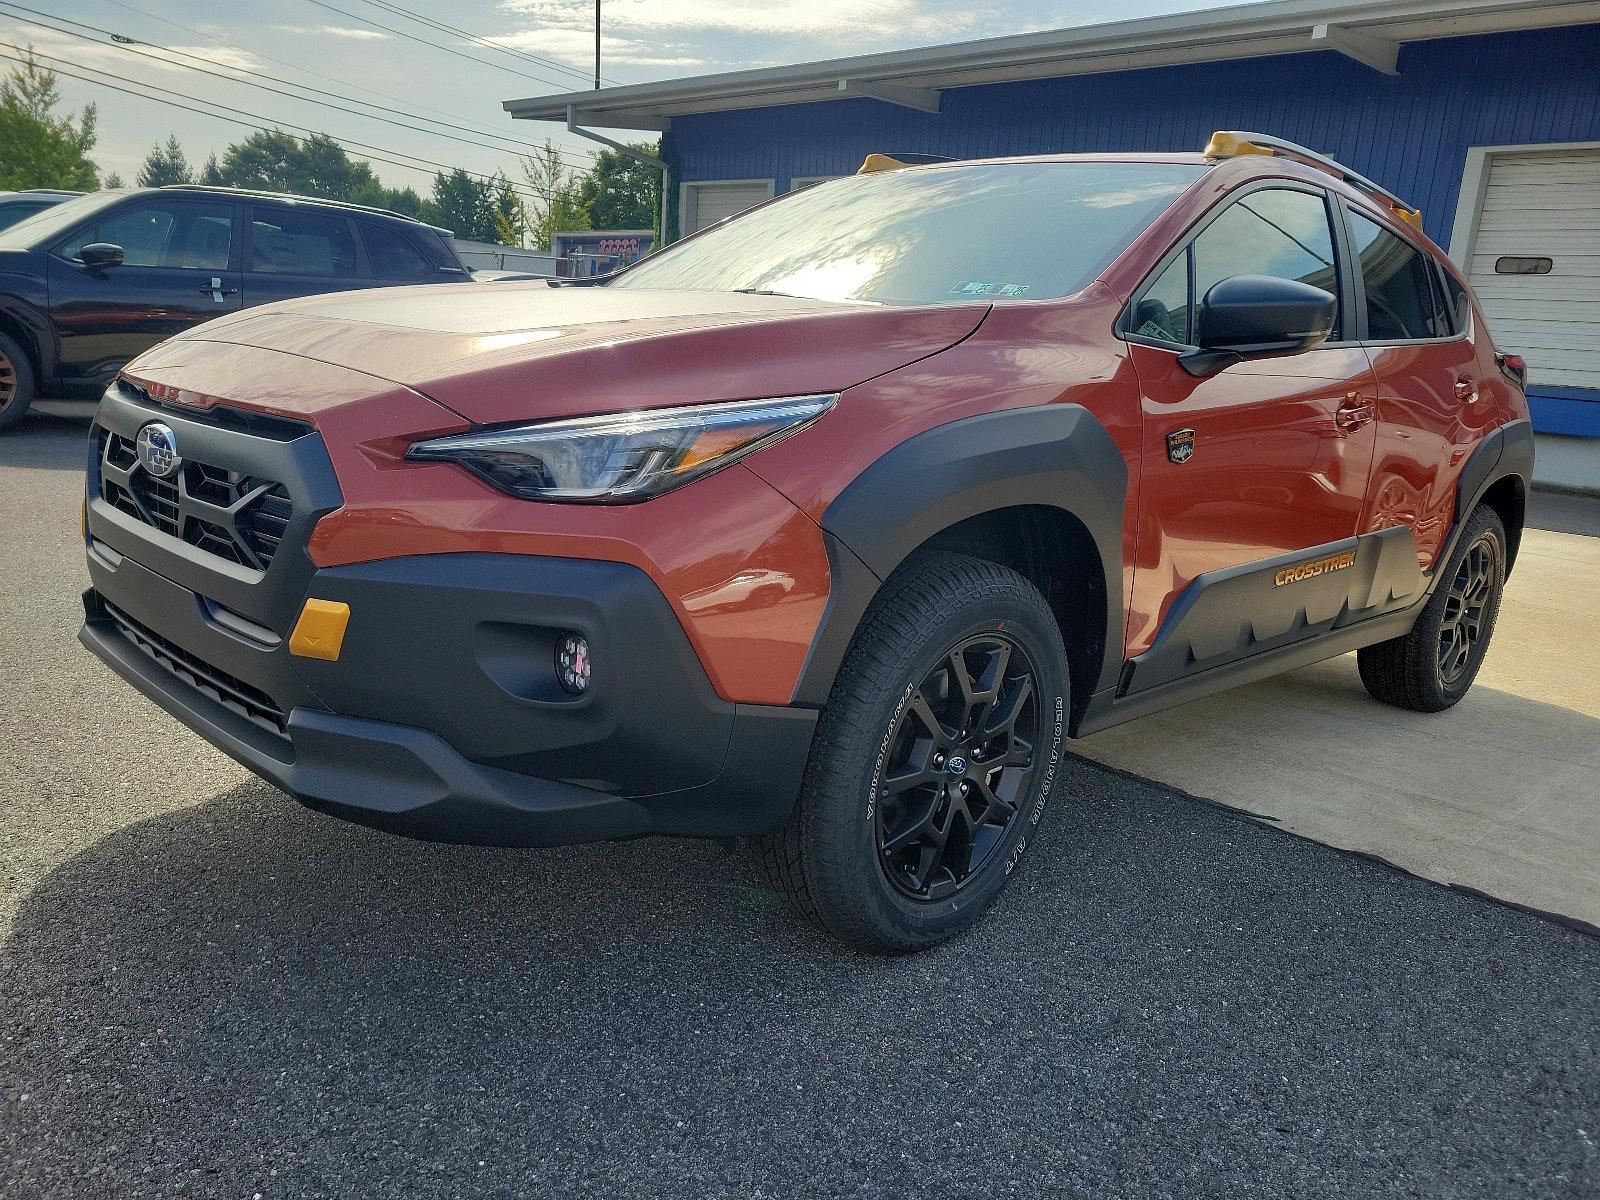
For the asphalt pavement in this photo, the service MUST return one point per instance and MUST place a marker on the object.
(206, 990)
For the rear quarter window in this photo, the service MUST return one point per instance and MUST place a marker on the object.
(394, 256)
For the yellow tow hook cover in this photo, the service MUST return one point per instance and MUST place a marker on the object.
(319, 633)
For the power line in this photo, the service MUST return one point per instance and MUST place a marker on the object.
(376, 153)
(120, 42)
(303, 69)
(489, 43)
(482, 62)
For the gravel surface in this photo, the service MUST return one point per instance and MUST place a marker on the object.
(207, 991)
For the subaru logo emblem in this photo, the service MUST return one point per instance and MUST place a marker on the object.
(956, 766)
(157, 449)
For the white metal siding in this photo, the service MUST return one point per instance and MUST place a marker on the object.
(1543, 205)
(715, 202)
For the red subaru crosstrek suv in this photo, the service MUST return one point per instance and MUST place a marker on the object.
(826, 526)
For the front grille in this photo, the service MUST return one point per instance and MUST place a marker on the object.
(233, 694)
(235, 516)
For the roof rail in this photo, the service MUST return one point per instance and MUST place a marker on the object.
(217, 189)
(893, 162)
(1233, 143)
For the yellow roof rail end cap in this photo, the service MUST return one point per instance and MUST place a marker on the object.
(874, 163)
(1226, 145)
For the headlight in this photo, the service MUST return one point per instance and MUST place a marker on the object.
(623, 456)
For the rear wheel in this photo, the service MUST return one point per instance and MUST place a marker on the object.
(1431, 668)
(16, 382)
(934, 758)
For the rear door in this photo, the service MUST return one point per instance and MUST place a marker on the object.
(1430, 377)
(292, 251)
(178, 269)
(1257, 469)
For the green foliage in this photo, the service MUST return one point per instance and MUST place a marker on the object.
(37, 147)
(112, 180)
(620, 192)
(510, 216)
(554, 207)
(465, 205)
(275, 161)
(165, 164)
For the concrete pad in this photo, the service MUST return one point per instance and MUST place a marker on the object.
(1500, 793)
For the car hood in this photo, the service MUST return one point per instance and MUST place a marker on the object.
(505, 351)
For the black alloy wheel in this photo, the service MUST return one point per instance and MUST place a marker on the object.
(1461, 631)
(960, 757)
(1433, 666)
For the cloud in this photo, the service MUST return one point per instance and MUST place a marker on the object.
(342, 31)
(826, 20)
(576, 46)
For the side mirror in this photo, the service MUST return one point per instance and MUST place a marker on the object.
(97, 256)
(1259, 316)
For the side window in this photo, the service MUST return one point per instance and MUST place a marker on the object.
(1270, 232)
(284, 242)
(186, 236)
(1402, 303)
(1457, 302)
(392, 255)
(1163, 313)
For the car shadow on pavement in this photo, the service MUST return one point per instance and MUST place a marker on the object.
(243, 998)
(36, 440)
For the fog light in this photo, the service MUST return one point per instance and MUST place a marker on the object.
(572, 663)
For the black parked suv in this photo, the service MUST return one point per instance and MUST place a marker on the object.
(94, 281)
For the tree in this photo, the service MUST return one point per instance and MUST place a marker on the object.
(620, 192)
(211, 173)
(510, 217)
(112, 180)
(465, 205)
(37, 147)
(555, 207)
(165, 164)
(276, 161)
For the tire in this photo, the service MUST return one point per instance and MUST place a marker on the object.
(16, 382)
(888, 867)
(1431, 668)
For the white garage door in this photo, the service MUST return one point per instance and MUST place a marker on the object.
(715, 202)
(1536, 262)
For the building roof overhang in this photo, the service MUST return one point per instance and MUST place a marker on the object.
(1368, 31)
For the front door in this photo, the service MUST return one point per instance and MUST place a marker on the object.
(1249, 476)
(177, 271)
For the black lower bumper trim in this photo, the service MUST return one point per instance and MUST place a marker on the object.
(410, 781)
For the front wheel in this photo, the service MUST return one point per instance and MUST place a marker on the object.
(16, 382)
(934, 758)
(1431, 668)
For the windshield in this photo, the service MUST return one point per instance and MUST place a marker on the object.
(929, 236)
(42, 228)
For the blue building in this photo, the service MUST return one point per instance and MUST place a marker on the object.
(1483, 113)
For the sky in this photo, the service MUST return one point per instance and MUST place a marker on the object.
(365, 50)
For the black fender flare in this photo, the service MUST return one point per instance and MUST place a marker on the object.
(1056, 456)
(41, 335)
(1505, 452)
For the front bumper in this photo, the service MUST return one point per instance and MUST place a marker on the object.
(442, 718)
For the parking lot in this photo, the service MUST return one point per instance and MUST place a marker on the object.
(206, 990)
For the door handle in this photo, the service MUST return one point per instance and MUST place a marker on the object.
(1353, 414)
(216, 291)
(1466, 389)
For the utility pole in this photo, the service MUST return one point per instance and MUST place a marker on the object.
(597, 45)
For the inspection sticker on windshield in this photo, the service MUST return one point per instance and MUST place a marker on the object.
(981, 287)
